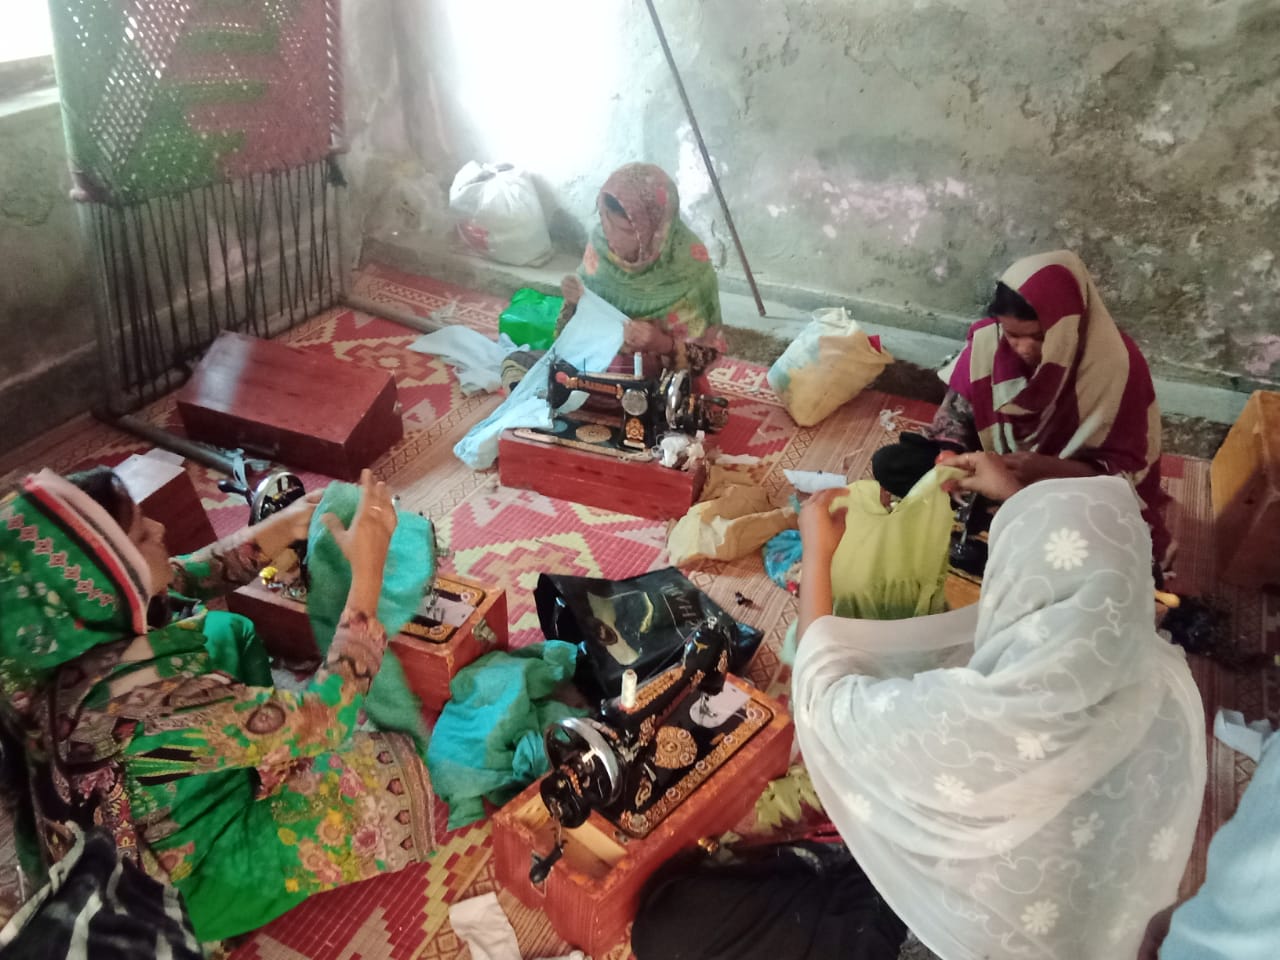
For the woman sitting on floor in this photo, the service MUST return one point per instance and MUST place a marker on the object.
(645, 261)
(171, 734)
(1051, 383)
(1020, 778)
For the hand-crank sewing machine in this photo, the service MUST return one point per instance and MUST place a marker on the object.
(622, 761)
(600, 454)
(674, 759)
(646, 408)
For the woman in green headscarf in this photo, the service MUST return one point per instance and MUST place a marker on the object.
(247, 798)
(644, 260)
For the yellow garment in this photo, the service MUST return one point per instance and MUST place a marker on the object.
(891, 565)
(733, 518)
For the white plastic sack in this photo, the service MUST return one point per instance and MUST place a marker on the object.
(825, 367)
(499, 215)
(408, 208)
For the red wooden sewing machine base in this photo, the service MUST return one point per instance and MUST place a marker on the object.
(639, 488)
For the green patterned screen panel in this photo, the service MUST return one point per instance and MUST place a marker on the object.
(162, 96)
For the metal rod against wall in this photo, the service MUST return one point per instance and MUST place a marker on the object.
(388, 312)
(706, 157)
(199, 452)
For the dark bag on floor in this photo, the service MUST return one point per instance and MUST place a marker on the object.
(639, 624)
(791, 901)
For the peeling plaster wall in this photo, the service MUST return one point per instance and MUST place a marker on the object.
(906, 152)
(48, 362)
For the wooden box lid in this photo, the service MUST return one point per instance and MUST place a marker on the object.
(303, 407)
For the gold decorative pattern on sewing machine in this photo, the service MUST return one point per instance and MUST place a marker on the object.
(639, 825)
(675, 749)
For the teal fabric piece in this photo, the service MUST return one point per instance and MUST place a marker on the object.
(488, 741)
(410, 568)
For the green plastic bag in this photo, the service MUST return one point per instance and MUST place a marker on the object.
(530, 319)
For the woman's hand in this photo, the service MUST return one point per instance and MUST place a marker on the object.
(366, 541)
(987, 474)
(820, 533)
(299, 515)
(641, 336)
(820, 529)
(571, 288)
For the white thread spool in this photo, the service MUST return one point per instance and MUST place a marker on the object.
(628, 689)
(637, 363)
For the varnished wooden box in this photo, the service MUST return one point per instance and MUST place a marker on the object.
(639, 488)
(472, 621)
(592, 893)
(166, 494)
(1245, 479)
(300, 407)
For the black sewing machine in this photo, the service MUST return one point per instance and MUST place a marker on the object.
(640, 409)
(642, 753)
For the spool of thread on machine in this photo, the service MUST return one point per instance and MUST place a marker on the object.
(628, 697)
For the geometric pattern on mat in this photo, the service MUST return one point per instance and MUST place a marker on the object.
(390, 917)
(509, 536)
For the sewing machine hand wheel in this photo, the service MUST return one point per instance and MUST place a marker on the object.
(585, 773)
(273, 493)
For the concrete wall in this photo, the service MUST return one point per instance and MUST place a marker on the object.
(903, 153)
(48, 360)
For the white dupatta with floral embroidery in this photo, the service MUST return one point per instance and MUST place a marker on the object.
(1020, 779)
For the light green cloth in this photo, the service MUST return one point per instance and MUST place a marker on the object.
(488, 741)
(410, 567)
(893, 565)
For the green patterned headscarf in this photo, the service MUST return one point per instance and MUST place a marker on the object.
(70, 579)
(672, 278)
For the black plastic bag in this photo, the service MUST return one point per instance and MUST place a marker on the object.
(639, 624)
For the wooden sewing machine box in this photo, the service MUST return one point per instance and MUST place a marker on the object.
(472, 621)
(161, 486)
(592, 894)
(640, 488)
(303, 408)
(1245, 480)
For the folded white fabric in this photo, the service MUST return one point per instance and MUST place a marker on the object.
(487, 931)
(811, 481)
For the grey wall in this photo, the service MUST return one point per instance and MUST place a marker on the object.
(48, 364)
(904, 153)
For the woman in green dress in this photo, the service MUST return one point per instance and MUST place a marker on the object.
(645, 261)
(169, 732)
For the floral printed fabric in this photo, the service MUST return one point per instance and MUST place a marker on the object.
(177, 743)
(1021, 778)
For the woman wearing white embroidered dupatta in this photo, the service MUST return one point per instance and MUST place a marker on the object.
(1019, 779)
